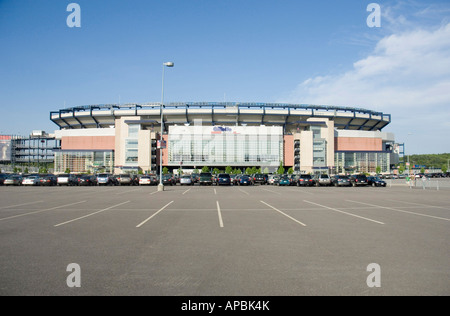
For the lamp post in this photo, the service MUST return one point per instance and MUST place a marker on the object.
(409, 165)
(161, 185)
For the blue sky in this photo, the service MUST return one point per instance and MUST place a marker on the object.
(315, 52)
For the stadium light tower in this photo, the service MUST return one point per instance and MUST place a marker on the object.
(161, 185)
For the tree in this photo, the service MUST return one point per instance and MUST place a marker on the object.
(248, 171)
(401, 169)
(140, 171)
(237, 171)
(422, 170)
(216, 171)
(26, 170)
(205, 169)
(165, 170)
(290, 170)
(444, 168)
(67, 170)
(280, 170)
(196, 171)
(180, 171)
(266, 170)
(229, 170)
(378, 170)
(254, 170)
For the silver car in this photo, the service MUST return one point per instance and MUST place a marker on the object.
(13, 180)
(186, 180)
(322, 180)
(32, 180)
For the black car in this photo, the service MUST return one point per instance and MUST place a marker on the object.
(223, 179)
(168, 179)
(3, 178)
(206, 178)
(305, 180)
(376, 182)
(358, 180)
(87, 180)
(48, 180)
(260, 178)
(339, 181)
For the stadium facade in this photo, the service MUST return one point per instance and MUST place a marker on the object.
(308, 138)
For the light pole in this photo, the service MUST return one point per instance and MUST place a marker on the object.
(409, 165)
(161, 185)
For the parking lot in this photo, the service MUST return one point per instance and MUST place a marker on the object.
(226, 241)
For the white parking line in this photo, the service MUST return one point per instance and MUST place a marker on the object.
(220, 215)
(11, 206)
(244, 191)
(350, 214)
(41, 211)
(154, 192)
(106, 209)
(300, 190)
(186, 191)
(160, 210)
(402, 211)
(215, 191)
(432, 206)
(272, 191)
(290, 217)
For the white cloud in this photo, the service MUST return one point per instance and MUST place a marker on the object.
(406, 75)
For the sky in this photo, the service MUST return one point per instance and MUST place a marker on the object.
(292, 51)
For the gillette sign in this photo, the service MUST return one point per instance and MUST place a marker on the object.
(221, 129)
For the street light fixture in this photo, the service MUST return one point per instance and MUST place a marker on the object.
(161, 185)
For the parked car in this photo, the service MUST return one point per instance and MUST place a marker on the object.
(186, 180)
(106, 179)
(87, 180)
(358, 180)
(293, 178)
(245, 180)
(195, 177)
(13, 180)
(3, 177)
(322, 180)
(260, 178)
(124, 179)
(145, 180)
(32, 180)
(206, 178)
(168, 179)
(340, 181)
(284, 181)
(376, 182)
(48, 180)
(66, 179)
(223, 179)
(305, 180)
(273, 179)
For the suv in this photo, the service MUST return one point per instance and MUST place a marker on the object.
(339, 181)
(305, 180)
(105, 179)
(376, 182)
(223, 179)
(358, 180)
(66, 179)
(124, 179)
(3, 177)
(260, 178)
(322, 179)
(205, 178)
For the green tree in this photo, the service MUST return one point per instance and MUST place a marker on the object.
(378, 170)
(248, 171)
(401, 169)
(254, 170)
(196, 171)
(229, 170)
(67, 170)
(422, 170)
(266, 170)
(180, 171)
(165, 170)
(140, 171)
(26, 170)
(444, 168)
(205, 169)
(280, 170)
(216, 171)
(237, 171)
(290, 170)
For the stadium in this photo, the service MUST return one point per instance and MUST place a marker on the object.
(308, 138)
